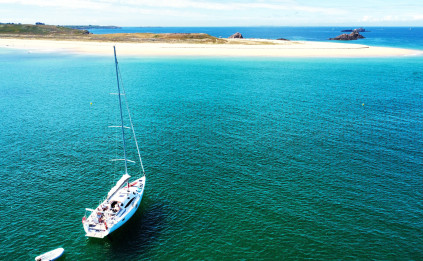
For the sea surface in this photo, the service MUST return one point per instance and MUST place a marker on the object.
(245, 158)
(405, 37)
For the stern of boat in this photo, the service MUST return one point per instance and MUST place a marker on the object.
(92, 229)
(95, 231)
(102, 234)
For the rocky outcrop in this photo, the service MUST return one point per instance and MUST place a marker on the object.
(236, 35)
(346, 37)
(282, 39)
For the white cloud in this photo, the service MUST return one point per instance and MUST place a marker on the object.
(211, 12)
(417, 18)
(391, 18)
(179, 4)
(67, 4)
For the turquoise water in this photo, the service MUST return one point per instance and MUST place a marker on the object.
(405, 37)
(245, 158)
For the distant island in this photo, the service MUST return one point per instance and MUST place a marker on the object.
(42, 31)
(38, 30)
(86, 27)
(360, 30)
(51, 38)
(55, 32)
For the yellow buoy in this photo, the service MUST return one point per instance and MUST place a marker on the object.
(91, 103)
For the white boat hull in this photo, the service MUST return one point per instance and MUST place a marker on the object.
(51, 255)
(109, 216)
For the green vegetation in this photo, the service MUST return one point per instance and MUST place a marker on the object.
(161, 38)
(92, 27)
(66, 33)
(38, 30)
(52, 32)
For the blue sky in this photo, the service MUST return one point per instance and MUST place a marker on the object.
(215, 12)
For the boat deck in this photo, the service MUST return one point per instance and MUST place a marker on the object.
(96, 234)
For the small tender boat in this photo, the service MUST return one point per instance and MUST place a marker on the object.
(51, 255)
(124, 198)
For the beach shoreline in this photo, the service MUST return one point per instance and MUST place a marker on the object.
(237, 48)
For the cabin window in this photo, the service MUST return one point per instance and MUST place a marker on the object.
(129, 202)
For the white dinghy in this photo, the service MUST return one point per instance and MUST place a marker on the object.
(124, 198)
(51, 255)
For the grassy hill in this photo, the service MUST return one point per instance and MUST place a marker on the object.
(151, 37)
(65, 33)
(39, 30)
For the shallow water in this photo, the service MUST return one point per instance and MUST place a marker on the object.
(245, 158)
(405, 37)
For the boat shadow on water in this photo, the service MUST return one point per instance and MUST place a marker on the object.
(138, 234)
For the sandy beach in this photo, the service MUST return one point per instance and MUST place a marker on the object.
(238, 48)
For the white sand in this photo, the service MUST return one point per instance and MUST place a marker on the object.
(273, 49)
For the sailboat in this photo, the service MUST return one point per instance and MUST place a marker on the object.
(124, 198)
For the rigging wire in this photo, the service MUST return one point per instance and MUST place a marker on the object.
(130, 120)
(121, 114)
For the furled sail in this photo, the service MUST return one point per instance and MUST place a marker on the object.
(120, 184)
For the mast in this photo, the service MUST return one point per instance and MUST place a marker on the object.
(121, 114)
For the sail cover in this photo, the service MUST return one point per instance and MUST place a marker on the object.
(118, 185)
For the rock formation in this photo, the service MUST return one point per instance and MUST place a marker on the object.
(236, 35)
(346, 37)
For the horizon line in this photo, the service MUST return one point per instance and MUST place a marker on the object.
(193, 26)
